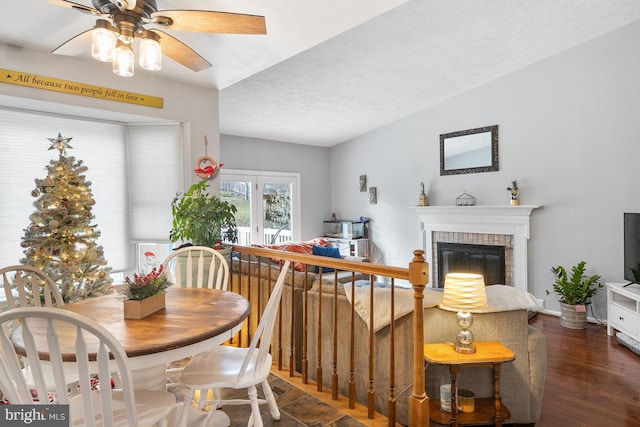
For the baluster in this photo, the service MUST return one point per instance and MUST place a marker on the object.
(319, 336)
(392, 358)
(334, 362)
(352, 345)
(371, 400)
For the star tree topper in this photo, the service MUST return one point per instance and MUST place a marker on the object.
(61, 143)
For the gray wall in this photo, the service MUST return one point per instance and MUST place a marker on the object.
(568, 132)
(311, 162)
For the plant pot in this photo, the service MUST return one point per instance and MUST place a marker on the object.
(570, 318)
(138, 309)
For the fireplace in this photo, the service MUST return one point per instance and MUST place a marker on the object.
(487, 260)
(501, 226)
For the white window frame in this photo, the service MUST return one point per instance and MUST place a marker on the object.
(257, 179)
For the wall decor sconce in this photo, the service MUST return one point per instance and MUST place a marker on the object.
(363, 183)
(373, 196)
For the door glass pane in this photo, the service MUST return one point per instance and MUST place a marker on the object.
(238, 193)
(276, 211)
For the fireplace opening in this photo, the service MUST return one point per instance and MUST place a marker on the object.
(487, 260)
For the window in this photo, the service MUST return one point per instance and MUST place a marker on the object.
(123, 162)
(268, 205)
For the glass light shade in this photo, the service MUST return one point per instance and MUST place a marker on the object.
(150, 54)
(103, 44)
(123, 60)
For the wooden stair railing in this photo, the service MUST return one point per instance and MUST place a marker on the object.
(416, 274)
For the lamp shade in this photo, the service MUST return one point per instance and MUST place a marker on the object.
(464, 291)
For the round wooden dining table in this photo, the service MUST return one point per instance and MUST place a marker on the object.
(194, 320)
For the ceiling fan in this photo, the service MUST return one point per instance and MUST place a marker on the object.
(120, 22)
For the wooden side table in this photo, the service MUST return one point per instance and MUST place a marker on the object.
(487, 410)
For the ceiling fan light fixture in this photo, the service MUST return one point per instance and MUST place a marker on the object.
(123, 60)
(103, 41)
(127, 20)
(127, 31)
(150, 51)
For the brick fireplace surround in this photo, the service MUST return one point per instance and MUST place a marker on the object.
(506, 226)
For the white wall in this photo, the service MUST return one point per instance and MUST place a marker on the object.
(311, 162)
(195, 106)
(568, 132)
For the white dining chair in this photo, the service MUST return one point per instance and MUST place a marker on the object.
(22, 283)
(103, 406)
(197, 267)
(239, 367)
(28, 286)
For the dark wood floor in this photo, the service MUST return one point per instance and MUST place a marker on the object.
(591, 379)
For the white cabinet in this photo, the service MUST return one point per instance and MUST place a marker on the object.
(350, 247)
(623, 309)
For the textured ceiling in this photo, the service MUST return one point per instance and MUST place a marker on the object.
(330, 70)
(408, 59)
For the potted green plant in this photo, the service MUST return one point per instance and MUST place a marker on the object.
(575, 291)
(202, 219)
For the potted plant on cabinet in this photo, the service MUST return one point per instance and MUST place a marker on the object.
(575, 291)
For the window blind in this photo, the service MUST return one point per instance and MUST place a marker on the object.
(155, 165)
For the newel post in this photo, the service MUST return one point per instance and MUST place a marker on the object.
(418, 401)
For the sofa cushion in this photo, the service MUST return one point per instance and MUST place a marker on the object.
(326, 252)
(403, 301)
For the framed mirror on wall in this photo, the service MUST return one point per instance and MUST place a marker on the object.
(469, 151)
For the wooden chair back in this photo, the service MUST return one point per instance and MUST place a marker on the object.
(262, 338)
(102, 406)
(25, 286)
(197, 267)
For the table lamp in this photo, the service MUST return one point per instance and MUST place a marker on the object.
(464, 292)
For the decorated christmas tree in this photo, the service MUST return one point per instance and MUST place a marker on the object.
(60, 239)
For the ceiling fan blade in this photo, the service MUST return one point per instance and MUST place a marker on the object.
(181, 53)
(206, 21)
(76, 6)
(75, 45)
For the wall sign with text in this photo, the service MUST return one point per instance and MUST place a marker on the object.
(65, 86)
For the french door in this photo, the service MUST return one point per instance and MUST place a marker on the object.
(268, 205)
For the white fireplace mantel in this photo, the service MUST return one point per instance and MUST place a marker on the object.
(508, 220)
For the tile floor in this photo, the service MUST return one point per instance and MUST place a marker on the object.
(297, 408)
